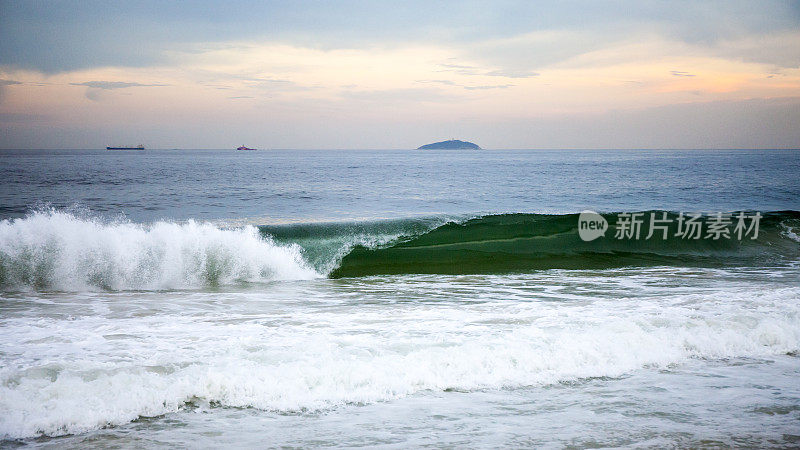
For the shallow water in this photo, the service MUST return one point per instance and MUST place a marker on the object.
(645, 356)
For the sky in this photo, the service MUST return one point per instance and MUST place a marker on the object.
(384, 75)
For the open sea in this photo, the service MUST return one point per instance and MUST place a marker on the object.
(316, 298)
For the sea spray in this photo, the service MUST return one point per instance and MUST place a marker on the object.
(56, 250)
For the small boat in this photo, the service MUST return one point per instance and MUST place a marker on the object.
(245, 148)
(138, 147)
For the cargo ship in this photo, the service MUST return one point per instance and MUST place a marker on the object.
(138, 147)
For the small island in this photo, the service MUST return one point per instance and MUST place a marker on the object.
(452, 144)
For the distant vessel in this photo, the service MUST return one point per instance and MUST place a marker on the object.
(245, 148)
(138, 147)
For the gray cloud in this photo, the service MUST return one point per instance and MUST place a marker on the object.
(94, 91)
(108, 85)
(3, 84)
(444, 82)
(94, 94)
(68, 35)
(678, 73)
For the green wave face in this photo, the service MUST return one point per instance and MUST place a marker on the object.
(325, 244)
(515, 243)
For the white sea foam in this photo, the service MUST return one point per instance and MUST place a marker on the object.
(790, 233)
(277, 352)
(59, 250)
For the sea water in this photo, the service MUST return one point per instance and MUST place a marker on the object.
(334, 298)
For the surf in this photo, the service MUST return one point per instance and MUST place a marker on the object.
(59, 250)
(55, 250)
(330, 353)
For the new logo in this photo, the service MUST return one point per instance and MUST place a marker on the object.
(591, 225)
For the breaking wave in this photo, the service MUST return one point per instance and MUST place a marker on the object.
(53, 250)
(57, 250)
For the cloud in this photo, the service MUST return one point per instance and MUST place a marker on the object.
(349, 59)
(496, 86)
(444, 82)
(109, 85)
(467, 87)
(273, 85)
(779, 49)
(53, 37)
(94, 91)
(512, 74)
(523, 55)
(94, 94)
(3, 84)
(399, 95)
(462, 69)
(267, 80)
(458, 66)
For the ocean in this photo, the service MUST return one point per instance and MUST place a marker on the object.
(317, 298)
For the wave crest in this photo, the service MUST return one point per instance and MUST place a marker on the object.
(57, 250)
